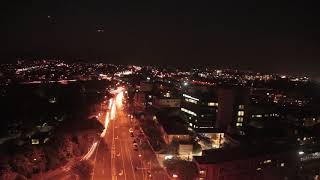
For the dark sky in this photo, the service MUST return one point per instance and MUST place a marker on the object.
(260, 35)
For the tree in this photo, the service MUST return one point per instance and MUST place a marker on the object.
(186, 170)
(21, 165)
(37, 157)
(196, 148)
(8, 175)
(20, 177)
(83, 169)
(173, 148)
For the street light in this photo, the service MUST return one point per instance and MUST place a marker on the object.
(168, 157)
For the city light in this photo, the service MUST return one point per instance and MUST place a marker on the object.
(220, 92)
(168, 157)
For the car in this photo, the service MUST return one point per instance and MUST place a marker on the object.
(121, 173)
(131, 130)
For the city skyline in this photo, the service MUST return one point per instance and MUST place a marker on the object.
(162, 90)
(97, 121)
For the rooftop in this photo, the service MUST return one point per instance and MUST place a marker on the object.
(172, 124)
(216, 156)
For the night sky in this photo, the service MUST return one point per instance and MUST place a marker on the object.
(259, 35)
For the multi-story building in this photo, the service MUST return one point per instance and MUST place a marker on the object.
(250, 163)
(215, 107)
(199, 108)
(233, 108)
(166, 102)
(142, 97)
(139, 101)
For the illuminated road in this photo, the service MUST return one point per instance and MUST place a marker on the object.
(113, 153)
(115, 157)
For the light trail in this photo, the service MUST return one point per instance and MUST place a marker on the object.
(119, 98)
(109, 116)
(106, 123)
(90, 152)
(110, 103)
(113, 112)
(117, 91)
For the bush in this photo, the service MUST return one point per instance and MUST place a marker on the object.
(196, 148)
(83, 169)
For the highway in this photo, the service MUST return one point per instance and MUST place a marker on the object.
(115, 156)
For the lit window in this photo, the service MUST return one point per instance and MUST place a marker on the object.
(188, 111)
(239, 124)
(34, 141)
(190, 97)
(202, 172)
(241, 106)
(240, 113)
(258, 169)
(282, 164)
(213, 104)
(240, 119)
(267, 161)
(190, 124)
(191, 101)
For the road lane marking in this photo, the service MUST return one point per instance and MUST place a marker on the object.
(95, 158)
(113, 173)
(127, 150)
(124, 169)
